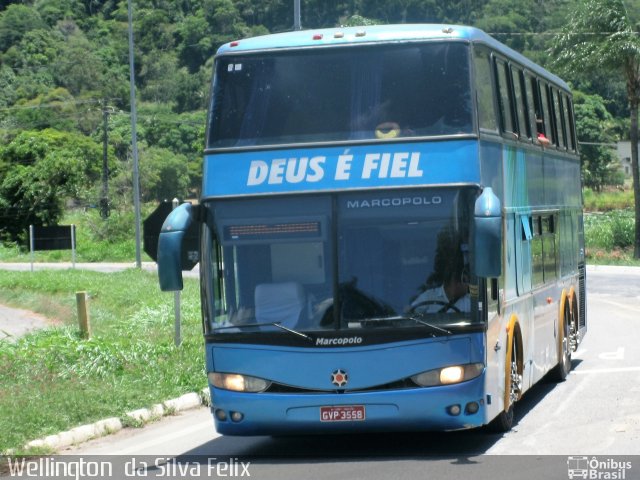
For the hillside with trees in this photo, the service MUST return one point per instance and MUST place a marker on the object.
(64, 77)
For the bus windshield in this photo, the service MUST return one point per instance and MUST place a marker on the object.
(341, 94)
(388, 256)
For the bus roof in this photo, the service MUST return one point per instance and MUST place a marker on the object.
(380, 34)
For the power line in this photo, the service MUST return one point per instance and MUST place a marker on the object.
(51, 105)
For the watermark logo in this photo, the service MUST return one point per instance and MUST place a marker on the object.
(597, 468)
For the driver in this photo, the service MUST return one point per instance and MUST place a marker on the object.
(451, 296)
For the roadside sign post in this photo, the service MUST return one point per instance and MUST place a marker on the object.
(54, 237)
(31, 247)
(73, 246)
(83, 315)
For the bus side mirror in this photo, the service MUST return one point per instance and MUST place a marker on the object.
(170, 247)
(488, 235)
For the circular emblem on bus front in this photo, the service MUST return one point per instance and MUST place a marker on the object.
(339, 378)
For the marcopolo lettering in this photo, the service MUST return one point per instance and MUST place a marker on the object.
(394, 202)
(338, 341)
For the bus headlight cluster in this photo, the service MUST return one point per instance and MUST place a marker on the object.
(237, 382)
(448, 375)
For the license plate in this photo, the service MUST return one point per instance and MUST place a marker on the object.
(342, 413)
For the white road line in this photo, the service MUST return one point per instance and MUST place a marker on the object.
(635, 310)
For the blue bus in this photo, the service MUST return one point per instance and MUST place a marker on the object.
(391, 231)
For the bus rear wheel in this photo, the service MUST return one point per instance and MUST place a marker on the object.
(562, 369)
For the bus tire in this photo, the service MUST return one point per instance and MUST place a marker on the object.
(504, 421)
(562, 369)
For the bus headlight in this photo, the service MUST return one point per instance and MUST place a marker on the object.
(237, 382)
(448, 375)
(453, 374)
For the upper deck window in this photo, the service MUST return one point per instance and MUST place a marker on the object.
(487, 118)
(341, 94)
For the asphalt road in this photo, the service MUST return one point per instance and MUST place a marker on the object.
(593, 414)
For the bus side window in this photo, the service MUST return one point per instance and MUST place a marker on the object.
(520, 103)
(558, 118)
(533, 104)
(568, 121)
(487, 119)
(537, 258)
(505, 98)
(549, 247)
(545, 107)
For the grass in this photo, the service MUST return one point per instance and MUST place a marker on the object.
(609, 238)
(609, 226)
(607, 200)
(52, 380)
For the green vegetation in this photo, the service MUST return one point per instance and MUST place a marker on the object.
(609, 227)
(609, 238)
(607, 200)
(52, 380)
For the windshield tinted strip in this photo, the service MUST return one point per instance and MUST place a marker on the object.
(344, 339)
(299, 96)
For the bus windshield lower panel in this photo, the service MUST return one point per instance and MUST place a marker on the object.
(365, 260)
(341, 94)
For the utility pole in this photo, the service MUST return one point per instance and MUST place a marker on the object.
(104, 198)
(297, 24)
(134, 139)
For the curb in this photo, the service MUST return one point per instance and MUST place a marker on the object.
(111, 425)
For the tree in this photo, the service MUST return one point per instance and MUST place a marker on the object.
(15, 21)
(163, 174)
(594, 127)
(77, 68)
(54, 109)
(599, 34)
(40, 170)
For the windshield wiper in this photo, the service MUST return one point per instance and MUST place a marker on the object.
(268, 324)
(414, 318)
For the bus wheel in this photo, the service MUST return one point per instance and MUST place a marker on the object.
(504, 421)
(562, 369)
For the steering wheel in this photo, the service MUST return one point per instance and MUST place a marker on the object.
(446, 306)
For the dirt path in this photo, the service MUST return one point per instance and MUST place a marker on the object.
(15, 322)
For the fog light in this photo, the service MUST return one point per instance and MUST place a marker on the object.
(454, 410)
(221, 415)
(471, 408)
(236, 416)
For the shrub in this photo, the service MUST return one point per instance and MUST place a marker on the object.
(609, 230)
(622, 229)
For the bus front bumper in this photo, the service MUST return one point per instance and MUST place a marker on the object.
(451, 407)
